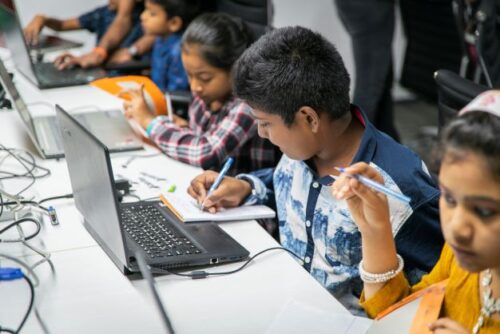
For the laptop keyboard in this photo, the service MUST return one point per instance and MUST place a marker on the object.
(145, 224)
(49, 74)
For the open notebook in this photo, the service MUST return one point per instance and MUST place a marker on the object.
(187, 210)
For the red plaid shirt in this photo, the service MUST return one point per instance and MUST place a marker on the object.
(214, 136)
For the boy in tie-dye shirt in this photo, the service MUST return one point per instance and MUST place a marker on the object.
(298, 87)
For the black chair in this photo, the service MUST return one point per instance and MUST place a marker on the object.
(454, 92)
(257, 14)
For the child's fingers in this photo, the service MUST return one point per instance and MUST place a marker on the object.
(366, 194)
(362, 168)
(215, 197)
(341, 186)
(197, 189)
(129, 93)
(345, 192)
(446, 325)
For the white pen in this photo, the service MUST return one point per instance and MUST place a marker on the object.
(170, 110)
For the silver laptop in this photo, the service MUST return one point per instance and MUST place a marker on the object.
(111, 126)
(46, 43)
(42, 74)
(50, 43)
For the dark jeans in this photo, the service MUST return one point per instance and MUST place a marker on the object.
(370, 23)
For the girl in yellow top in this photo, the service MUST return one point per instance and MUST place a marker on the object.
(470, 218)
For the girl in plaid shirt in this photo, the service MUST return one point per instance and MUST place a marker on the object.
(219, 125)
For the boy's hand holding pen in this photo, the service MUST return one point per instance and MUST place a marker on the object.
(230, 192)
(218, 180)
(363, 189)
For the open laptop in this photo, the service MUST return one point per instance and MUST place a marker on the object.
(42, 74)
(110, 126)
(50, 43)
(123, 229)
(46, 43)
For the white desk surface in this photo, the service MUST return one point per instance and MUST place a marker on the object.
(88, 294)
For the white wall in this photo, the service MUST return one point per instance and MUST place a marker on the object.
(56, 8)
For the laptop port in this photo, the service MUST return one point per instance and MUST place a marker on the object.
(214, 260)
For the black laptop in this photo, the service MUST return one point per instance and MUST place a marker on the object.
(42, 74)
(123, 229)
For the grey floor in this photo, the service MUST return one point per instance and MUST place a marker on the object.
(416, 122)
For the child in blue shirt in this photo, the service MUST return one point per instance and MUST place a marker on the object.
(298, 87)
(97, 21)
(167, 19)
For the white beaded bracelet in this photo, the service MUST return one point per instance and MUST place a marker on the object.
(383, 277)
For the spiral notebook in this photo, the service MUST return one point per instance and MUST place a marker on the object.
(187, 210)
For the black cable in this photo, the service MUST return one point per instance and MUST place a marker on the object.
(37, 204)
(20, 221)
(54, 198)
(28, 311)
(202, 274)
(30, 307)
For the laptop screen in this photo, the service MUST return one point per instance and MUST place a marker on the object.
(91, 176)
(16, 98)
(14, 38)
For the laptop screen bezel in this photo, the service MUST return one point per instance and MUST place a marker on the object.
(66, 121)
(19, 106)
(13, 32)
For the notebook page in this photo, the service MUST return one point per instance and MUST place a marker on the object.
(190, 211)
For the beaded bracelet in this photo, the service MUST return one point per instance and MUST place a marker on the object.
(383, 277)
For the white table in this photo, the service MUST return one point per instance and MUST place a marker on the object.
(88, 294)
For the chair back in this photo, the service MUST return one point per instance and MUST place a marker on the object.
(454, 92)
(257, 14)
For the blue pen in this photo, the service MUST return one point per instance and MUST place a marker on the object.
(377, 186)
(219, 178)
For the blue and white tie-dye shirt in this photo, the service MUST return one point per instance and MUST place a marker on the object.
(320, 228)
(167, 70)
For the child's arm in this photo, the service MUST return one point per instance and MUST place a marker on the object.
(110, 41)
(142, 45)
(230, 193)
(204, 148)
(120, 27)
(370, 211)
(254, 188)
(32, 30)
